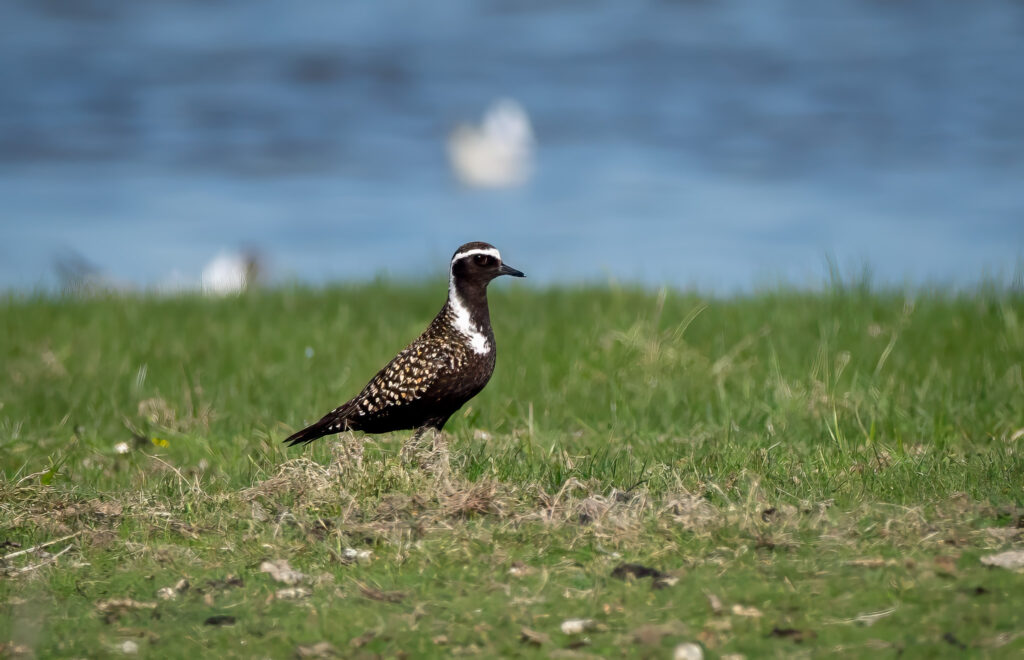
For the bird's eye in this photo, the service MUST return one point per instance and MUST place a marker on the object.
(483, 260)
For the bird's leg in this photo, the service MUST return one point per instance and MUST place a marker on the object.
(440, 443)
(441, 466)
(431, 455)
(348, 453)
(413, 447)
(436, 459)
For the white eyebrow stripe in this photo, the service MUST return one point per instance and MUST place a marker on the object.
(491, 252)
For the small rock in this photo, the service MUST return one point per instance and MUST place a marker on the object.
(292, 593)
(576, 626)
(170, 593)
(128, 647)
(688, 651)
(351, 554)
(280, 571)
(518, 569)
(742, 610)
(1011, 559)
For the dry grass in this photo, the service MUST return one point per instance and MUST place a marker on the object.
(786, 474)
(322, 514)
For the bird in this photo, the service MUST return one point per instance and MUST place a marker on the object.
(442, 369)
(496, 154)
(231, 272)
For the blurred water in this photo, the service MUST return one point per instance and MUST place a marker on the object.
(722, 144)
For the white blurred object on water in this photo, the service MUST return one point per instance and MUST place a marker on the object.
(230, 273)
(496, 154)
(688, 651)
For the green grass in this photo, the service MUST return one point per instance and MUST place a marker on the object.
(798, 461)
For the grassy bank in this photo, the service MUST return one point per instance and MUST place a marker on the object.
(808, 471)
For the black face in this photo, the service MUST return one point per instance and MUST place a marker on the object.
(485, 261)
(478, 263)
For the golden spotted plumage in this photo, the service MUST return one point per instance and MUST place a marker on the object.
(436, 374)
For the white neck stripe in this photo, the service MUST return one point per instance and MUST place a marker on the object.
(462, 321)
(491, 252)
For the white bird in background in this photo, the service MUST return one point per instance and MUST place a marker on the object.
(498, 153)
(230, 272)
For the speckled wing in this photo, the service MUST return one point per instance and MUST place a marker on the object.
(396, 398)
(410, 380)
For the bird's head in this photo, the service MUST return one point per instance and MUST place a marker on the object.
(478, 263)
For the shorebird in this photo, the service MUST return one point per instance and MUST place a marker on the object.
(496, 154)
(446, 366)
(231, 272)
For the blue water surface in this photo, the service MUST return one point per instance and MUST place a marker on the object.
(726, 145)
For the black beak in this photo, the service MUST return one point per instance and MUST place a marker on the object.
(509, 270)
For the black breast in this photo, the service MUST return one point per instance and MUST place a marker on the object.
(425, 383)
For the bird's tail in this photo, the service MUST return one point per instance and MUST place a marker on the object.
(330, 423)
